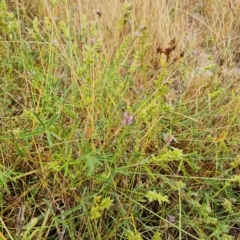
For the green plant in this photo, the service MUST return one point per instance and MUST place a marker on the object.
(110, 128)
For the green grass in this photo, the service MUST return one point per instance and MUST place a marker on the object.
(111, 125)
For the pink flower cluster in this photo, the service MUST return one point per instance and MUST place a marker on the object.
(168, 138)
(127, 119)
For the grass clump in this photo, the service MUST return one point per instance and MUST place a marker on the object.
(119, 120)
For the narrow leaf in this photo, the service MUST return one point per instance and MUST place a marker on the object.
(53, 120)
(49, 139)
(39, 120)
(31, 134)
(55, 135)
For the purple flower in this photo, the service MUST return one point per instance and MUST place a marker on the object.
(168, 138)
(172, 218)
(136, 34)
(54, 41)
(127, 119)
(92, 41)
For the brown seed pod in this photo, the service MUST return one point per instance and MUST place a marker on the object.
(99, 13)
(160, 50)
(173, 42)
(169, 49)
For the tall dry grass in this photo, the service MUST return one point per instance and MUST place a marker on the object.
(187, 21)
(74, 165)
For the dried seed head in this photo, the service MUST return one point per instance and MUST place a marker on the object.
(182, 54)
(173, 42)
(160, 50)
(169, 49)
(99, 13)
(143, 28)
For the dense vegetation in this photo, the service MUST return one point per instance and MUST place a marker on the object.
(119, 120)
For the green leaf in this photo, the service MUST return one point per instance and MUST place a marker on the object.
(31, 134)
(55, 135)
(92, 162)
(39, 120)
(53, 120)
(49, 139)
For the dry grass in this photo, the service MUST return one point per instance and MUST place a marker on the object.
(73, 165)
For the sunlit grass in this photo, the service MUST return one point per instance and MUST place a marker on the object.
(119, 120)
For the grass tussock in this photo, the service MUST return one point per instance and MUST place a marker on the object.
(119, 120)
